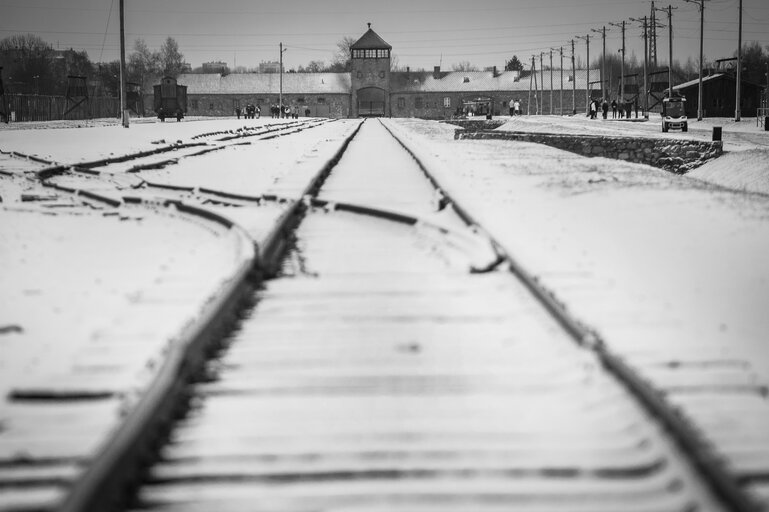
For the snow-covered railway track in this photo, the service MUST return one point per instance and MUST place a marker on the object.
(396, 365)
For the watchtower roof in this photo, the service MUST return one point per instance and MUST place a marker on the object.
(370, 41)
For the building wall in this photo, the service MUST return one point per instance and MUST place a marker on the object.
(444, 105)
(223, 105)
(719, 97)
(370, 73)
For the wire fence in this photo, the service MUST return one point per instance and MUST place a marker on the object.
(33, 107)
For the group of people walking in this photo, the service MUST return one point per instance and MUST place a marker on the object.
(276, 111)
(250, 112)
(621, 109)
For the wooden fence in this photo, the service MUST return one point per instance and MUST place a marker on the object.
(32, 107)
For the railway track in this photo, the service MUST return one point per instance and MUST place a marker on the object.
(396, 364)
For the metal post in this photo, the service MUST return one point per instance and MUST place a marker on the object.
(123, 101)
(622, 67)
(573, 82)
(737, 110)
(699, 90)
(551, 81)
(561, 104)
(701, 5)
(587, 77)
(531, 77)
(603, 62)
(542, 81)
(670, 51)
(280, 94)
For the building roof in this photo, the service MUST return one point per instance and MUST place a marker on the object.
(696, 81)
(715, 76)
(400, 82)
(482, 81)
(370, 41)
(266, 83)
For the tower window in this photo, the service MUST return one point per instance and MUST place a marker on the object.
(446, 101)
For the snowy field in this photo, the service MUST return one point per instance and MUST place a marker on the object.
(649, 259)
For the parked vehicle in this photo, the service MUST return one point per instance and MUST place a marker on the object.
(674, 114)
(170, 99)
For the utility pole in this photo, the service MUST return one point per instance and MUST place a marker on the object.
(551, 81)
(123, 101)
(701, 5)
(542, 81)
(603, 63)
(653, 38)
(573, 82)
(561, 104)
(646, 66)
(587, 77)
(622, 66)
(737, 110)
(532, 76)
(669, 10)
(280, 94)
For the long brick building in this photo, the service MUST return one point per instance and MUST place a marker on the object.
(372, 89)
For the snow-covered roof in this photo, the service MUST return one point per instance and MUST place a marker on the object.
(478, 81)
(400, 82)
(266, 83)
(696, 81)
(370, 41)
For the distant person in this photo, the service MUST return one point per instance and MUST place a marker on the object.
(517, 107)
(592, 109)
(614, 109)
(605, 108)
(628, 108)
(512, 107)
(237, 112)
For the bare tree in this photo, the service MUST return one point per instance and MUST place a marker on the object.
(143, 64)
(343, 55)
(464, 66)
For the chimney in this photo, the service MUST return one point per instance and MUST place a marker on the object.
(495, 72)
(436, 72)
(408, 72)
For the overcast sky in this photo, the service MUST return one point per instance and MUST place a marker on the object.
(423, 33)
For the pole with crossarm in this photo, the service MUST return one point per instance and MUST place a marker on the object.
(603, 62)
(587, 80)
(561, 103)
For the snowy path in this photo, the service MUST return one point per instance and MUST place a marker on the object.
(662, 266)
(672, 272)
(381, 374)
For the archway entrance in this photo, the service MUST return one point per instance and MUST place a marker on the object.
(371, 102)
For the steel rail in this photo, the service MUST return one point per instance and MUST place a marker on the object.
(121, 458)
(687, 437)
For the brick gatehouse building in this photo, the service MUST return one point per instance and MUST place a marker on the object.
(372, 89)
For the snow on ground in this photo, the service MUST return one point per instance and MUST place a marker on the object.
(743, 172)
(646, 257)
(96, 140)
